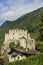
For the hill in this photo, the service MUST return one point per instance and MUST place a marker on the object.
(29, 21)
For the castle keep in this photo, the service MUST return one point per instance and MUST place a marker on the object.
(20, 35)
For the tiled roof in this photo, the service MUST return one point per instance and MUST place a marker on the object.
(29, 52)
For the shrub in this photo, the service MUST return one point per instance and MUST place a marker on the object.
(11, 45)
(18, 45)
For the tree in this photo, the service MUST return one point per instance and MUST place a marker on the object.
(41, 28)
(18, 45)
(11, 45)
(0, 49)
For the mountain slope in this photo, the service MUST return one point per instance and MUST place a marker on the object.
(29, 21)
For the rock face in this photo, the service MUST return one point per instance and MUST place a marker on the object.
(19, 35)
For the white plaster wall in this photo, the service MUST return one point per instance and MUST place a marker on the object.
(23, 43)
(11, 59)
(16, 34)
(31, 44)
(20, 57)
(6, 37)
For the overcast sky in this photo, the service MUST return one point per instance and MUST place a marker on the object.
(12, 9)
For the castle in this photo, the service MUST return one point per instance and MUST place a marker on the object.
(20, 35)
(25, 41)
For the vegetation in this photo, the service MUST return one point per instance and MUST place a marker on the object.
(39, 46)
(32, 60)
(41, 28)
(18, 44)
(0, 49)
(2, 61)
(11, 45)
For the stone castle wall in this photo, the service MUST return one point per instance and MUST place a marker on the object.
(21, 35)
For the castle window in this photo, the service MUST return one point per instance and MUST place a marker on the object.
(32, 40)
(13, 33)
(13, 37)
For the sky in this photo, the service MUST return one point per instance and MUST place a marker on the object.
(13, 9)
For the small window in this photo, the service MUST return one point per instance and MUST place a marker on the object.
(13, 37)
(32, 40)
(13, 33)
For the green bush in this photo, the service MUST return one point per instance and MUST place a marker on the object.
(39, 46)
(32, 60)
(18, 45)
(11, 45)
